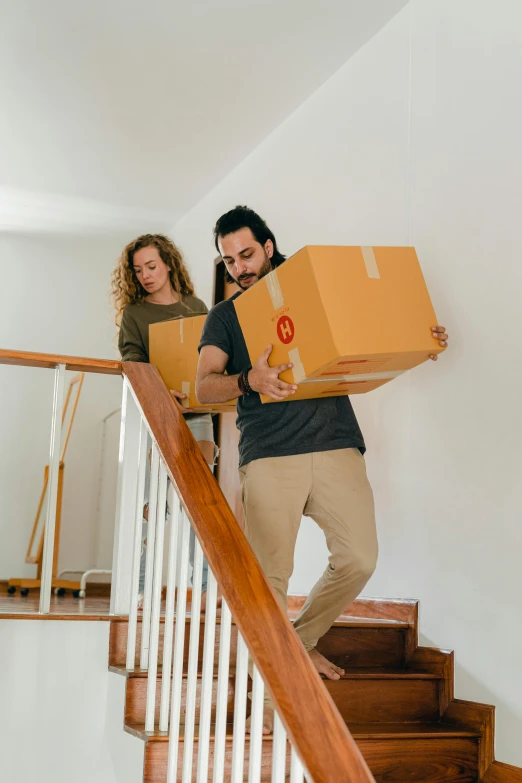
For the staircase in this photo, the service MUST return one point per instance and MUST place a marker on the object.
(395, 697)
(392, 718)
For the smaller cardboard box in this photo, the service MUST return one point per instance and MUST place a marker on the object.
(348, 318)
(173, 348)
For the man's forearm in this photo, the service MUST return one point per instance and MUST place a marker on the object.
(216, 388)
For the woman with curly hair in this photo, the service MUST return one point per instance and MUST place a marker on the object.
(151, 284)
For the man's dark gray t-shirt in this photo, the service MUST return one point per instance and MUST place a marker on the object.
(278, 429)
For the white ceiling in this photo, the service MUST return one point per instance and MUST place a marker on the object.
(134, 110)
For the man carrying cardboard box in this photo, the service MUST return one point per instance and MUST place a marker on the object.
(302, 458)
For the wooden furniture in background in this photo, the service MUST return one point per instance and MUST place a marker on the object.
(34, 555)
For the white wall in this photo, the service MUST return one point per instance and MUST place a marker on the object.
(60, 700)
(55, 301)
(424, 151)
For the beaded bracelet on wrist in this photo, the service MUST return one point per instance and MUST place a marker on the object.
(243, 383)
(240, 382)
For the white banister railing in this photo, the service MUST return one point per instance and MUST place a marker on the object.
(207, 680)
(195, 690)
(168, 634)
(128, 455)
(52, 493)
(195, 687)
(222, 695)
(152, 662)
(43, 550)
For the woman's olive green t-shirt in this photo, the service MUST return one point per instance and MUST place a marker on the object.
(133, 340)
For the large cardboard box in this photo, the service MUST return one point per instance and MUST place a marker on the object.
(348, 318)
(173, 348)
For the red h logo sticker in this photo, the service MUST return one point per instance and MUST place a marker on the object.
(285, 329)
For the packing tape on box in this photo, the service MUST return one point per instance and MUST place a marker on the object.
(299, 371)
(185, 389)
(370, 262)
(181, 331)
(274, 289)
(276, 295)
(371, 376)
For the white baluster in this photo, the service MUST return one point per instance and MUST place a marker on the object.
(207, 680)
(192, 669)
(168, 634)
(52, 490)
(222, 694)
(156, 600)
(135, 577)
(256, 728)
(149, 558)
(296, 768)
(125, 503)
(179, 643)
(279, 751)
(238, 745)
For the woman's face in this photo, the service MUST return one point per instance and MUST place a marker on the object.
(150, 269)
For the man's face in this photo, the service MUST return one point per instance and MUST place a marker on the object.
(245, 259)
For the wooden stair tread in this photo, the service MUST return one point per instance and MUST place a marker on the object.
(344, 621)
(409, 730)
(359, 731)
(387, 674)
(350, 674)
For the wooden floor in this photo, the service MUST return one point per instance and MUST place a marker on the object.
(26, 607)
(97, 607)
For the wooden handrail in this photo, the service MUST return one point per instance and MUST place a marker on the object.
(51, 360)
(304, 705)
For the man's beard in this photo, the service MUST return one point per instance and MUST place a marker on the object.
(265, 269)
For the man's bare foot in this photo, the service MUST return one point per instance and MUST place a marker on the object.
(324, 666)
(268, 721)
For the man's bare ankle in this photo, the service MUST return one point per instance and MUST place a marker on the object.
(268, 721)
(324, 666)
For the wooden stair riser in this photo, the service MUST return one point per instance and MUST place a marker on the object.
(359, 700)
(421, 760)
(357, 647)
(443, 760)
(156, 759)
(364, 648)
(118, 644)
(136, 699)
(385, 701)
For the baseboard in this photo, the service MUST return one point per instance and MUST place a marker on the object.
(498, 772)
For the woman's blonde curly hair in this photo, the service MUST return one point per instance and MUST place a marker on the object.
(125, 287)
